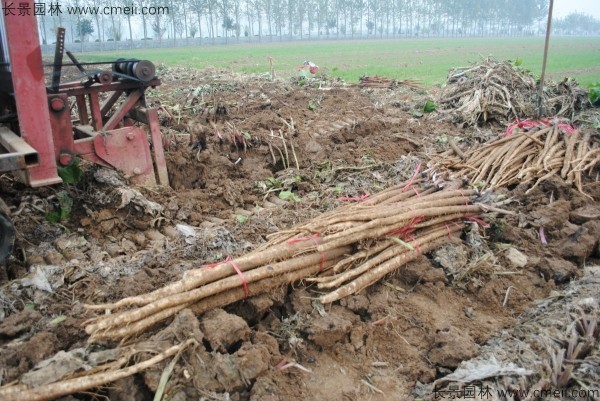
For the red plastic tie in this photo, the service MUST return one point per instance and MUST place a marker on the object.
(530, 123)
(322, 264)
(211, 265)
(410, 182)
(314, 239)
(478, 221)
(415, 244)
(568, 128)
(407, 229)
(355, 198)
(463, 195)
(244, 282)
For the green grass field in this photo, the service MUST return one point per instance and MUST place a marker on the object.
(426, 60)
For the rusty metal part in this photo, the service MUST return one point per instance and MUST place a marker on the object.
(75, 61)
(58, 57)
(7, 233)
(30, 97)
(116, 149)
(103, 77)
(20, 154)
(110, 105)
(143, 70)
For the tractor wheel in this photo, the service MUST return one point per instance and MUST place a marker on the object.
(7, 233)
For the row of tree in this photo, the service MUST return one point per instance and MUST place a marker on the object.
(115, 20)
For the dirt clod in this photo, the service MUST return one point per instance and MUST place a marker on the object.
(451, 347)
(327, 330)
(19, 322)
(559, 270)
(223, 330)
(516, 258)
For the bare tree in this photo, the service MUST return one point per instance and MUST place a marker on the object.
(145, 21)
(127, 3)
(199, 8)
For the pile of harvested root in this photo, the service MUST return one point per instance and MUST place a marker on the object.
(102, 367)
(386, 83)
(503, 91)
(554, 348)
(351, 248)
(534, 155)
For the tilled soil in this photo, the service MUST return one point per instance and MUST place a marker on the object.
(226, 182)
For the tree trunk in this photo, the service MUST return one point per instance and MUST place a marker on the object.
(259, 17)
(130, 32)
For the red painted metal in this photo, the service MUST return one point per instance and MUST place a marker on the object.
(127, 150)
(157, 147)
(103, 133)
(95, 109)
(30, 93)
(62, 127)
(110, 102)
(118, 116)
(82, 110)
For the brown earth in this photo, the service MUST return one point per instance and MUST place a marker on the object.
(415, 326)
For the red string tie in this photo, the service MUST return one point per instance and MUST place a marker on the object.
(229, 260)
(406, 230)
(415, 243)
(300, 239)
(314, 239)
(211, 265)
(448, 228)
(478, 221)
(412, 179)
(354, 198)
(244, 282)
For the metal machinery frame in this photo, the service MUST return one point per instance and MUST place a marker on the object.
(39, 133)
(42, 128)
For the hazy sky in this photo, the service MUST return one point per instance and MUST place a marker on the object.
(564, 7)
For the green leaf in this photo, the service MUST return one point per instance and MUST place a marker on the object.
(429, 106)
(273, 182)
(594, 93)
(241, 218)
(313, 105)
(518, 62)
(65, 206)
(71, 174)
(52, 217)
(30, 305)
(288, 195)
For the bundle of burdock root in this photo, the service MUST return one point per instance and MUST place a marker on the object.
(347, 250)
(386, 83)
(535, 155)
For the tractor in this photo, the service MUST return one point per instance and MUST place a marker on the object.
(100, 117)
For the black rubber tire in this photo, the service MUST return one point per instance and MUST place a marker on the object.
(7, 233)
